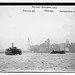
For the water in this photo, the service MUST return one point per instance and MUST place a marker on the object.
(44, 62)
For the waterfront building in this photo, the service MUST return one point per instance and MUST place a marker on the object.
(67, 46)
(48, 44)
(62, 46)
(28, 44)
(55, 47)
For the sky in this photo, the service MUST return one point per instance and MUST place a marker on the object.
(16, 25)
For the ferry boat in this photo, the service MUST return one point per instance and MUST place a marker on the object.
(58, 52)
(13, 50)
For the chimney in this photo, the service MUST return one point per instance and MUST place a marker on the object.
(12, 44)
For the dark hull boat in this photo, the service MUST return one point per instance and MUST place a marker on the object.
(58, 52)
(13, 51)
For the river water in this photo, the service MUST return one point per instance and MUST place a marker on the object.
(37, 62)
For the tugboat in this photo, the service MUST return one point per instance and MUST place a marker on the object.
(13, 50)
(58, 52)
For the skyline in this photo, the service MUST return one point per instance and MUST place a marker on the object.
(16, 26)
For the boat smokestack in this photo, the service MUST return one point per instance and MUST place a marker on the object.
(12, 44)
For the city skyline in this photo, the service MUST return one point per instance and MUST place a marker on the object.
(16, 26)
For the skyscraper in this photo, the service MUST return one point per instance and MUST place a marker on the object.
(67, 42)
(28, 44)
(48, 44)
(67, 46)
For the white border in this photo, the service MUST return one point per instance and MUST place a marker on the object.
(37, 0)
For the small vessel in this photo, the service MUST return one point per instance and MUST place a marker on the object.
(58, 52)
(13, 50)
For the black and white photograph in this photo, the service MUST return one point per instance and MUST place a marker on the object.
(37, 38)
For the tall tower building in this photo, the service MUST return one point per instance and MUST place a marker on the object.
(67, 46)
(28, 44)
(48, 44)
(67, 42)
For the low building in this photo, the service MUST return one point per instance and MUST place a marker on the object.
(55, 47)
(42, 47)
(62, 46)
(67, 46)
(34, 48)
(67, 49)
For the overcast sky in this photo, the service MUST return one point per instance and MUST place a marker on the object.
(16, 26)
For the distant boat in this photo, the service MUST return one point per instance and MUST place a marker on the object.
(58, 52)
(13, 51)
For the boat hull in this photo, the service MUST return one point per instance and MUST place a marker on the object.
(13, 52)
(58, 52)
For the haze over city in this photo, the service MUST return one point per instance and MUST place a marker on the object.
(16, 26)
